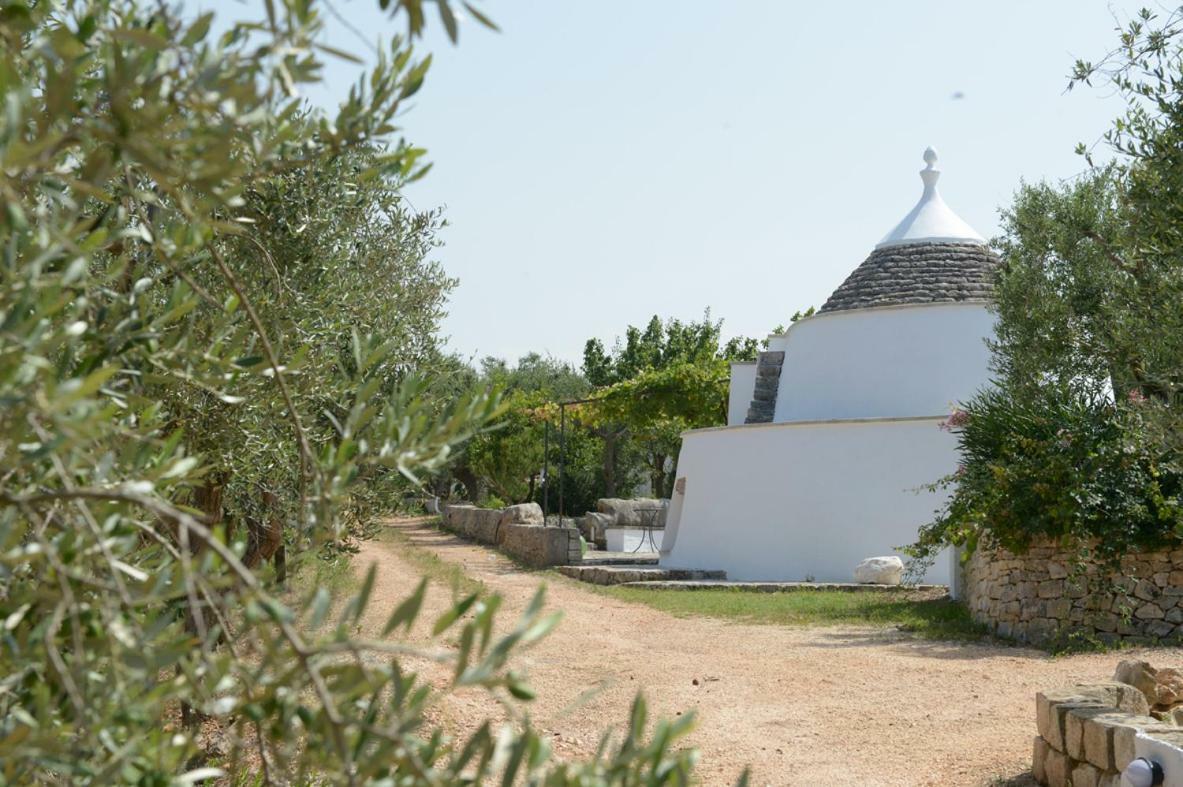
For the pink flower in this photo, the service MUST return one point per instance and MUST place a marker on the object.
(956, 420)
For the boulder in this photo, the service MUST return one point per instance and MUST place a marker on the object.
(880, 571)
(592, 527)
(1162, 687)
(522, 514)
(634, 513)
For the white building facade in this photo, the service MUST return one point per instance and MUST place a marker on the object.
(833, 436)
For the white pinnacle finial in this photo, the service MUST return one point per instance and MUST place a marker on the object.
(931, 220)
(930, 174)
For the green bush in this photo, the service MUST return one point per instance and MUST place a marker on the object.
(1061, 465)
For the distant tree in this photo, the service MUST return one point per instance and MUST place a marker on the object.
(508, 462)
(656, 383)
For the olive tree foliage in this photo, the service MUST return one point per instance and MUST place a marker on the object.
(162, 323)
(1082, 440)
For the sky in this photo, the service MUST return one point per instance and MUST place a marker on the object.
(599, 163)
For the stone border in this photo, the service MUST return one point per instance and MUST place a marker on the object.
(936, 591)
(1035, 597)
(519, 531)
(1088, 734)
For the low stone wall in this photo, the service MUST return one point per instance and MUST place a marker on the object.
(479, 524)
(1035, 597)
(519, 531)
(540, 545)
(1090, 733)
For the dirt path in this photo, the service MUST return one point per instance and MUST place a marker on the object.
(822, 706)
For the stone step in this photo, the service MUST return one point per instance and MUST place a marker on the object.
(638, 575)
(605, 558)
(784, 587)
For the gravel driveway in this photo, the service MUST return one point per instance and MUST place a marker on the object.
(801, 706)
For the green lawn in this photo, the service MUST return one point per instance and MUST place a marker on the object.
(934, 618)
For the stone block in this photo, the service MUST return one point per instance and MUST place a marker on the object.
(1057, 769)
(1051, 713)
(1110, 780)
(1146, 590)
(1160, 629)
(1085, 775)
(1124, 735)
(1052, 588)
(638, 512)
(522, 514)
(1038, 760)
(1075, 721)
(1105, 621)
(1098, 738)
(1149, 612)
(1058, 609)
(540, 546)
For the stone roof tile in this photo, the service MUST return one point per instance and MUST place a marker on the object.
(918, 273)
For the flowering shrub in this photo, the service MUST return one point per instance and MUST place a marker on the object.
(1063, 465)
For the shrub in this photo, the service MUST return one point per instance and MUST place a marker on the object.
(1060, 464)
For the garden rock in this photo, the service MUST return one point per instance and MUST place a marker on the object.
(634, 513)
(880, 571)
(522, 514)
(1162, 687)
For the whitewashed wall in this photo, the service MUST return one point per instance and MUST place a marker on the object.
(883, 363)
(786, 501)
(739, 395)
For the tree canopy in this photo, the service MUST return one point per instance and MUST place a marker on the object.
(215, 307)
(1080, 440)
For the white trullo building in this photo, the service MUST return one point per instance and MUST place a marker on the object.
(834, 432)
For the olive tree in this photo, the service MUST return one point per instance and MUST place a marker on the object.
(164, 332)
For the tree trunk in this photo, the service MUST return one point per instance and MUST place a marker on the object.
(657, 475)
(609, 462)
(472, 484)
(208, 499)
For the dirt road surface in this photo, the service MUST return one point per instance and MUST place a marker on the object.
(801, 706)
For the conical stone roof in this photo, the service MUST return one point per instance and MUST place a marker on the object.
(932, 256)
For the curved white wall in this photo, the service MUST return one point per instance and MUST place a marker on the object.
(883, 363)
(788, 501)
(739, 394)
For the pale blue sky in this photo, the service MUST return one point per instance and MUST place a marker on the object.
(603, 162)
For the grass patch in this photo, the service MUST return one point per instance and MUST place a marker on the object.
(430, 565)
(933, 618)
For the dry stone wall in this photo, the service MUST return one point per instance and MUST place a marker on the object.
(1038, 597)
(519, 531)
(541, 545)
(1089, 733)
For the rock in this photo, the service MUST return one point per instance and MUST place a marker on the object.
(1138, 674)
(522, 514)
(634, 513)
(1169, 686)
(880, 571)
(1162, 687)
(592, 526)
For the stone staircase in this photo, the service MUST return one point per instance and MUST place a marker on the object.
(763, 406)
(609, 574)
